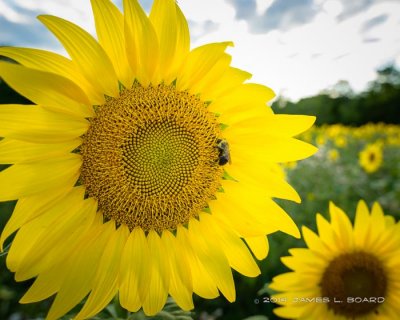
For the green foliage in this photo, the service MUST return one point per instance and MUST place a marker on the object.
(380, 103)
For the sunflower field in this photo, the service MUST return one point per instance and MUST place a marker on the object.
(352, 163)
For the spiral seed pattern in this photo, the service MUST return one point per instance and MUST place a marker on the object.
(150, 157)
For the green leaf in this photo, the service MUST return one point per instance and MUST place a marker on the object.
(257, 317)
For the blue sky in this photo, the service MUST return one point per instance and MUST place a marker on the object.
(297, 47)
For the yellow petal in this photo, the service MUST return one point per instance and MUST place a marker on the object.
(263, 211)
(34, 124)
(289, 125)
(278, 216)
(272, 150)
(86, 53)
(51, 62)
(105, 284)
(141, 43)
(293, 281)
(182, 40)
(293, 312)
(242, 220)
(258, 174)
(58, 239)
(163, 17)
(16, 151)
(383, 238)
(216, 72)
(377, 218)
(234, 248)
(135, 277)
(180, 282)
(281, 125)
(28, 208)
(83, 265)
(25, 179)
(159, 285)
(326, 233)
(314, 243)
(342, 227)
(50, 90)
(49, 282)
(389, 220)
(110, 32)
(362, 225)
(30, 232)
(250, 120)
(245, 97)
(203, 284)
(198, 64)
(390, 310)
(315, 259)
(305, 263)
(259, 246)
(230, 81)
(271, 125)
(212, 258)
(46, 284)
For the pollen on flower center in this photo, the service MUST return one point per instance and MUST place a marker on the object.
(353, 282)
(161, 158)
(150, 157)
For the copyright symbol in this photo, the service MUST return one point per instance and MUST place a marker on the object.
(256, 301)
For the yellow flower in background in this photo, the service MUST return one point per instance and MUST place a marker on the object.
(142, 165)
(371, 157)
(335, 130)
(340, 141)
(321, 140)
(347, 272)
(393, 140)
(333, 155)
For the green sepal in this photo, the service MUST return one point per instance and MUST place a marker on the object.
(206, 210)
(227, 176)
(121, 86)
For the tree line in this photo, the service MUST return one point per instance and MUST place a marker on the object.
(379, 103)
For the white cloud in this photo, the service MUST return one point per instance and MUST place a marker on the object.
(297, 63)
(263, 5)
(77, 11)
(314, 56)
(214, 10)
(333, 7)
(11, 15)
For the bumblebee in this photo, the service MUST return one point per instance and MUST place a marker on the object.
(223, 152)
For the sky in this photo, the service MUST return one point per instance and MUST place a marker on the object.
(296, 47)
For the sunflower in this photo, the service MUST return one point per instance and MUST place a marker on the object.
(347, 272)
(143, 168)
(333, 155)
(371, 157)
